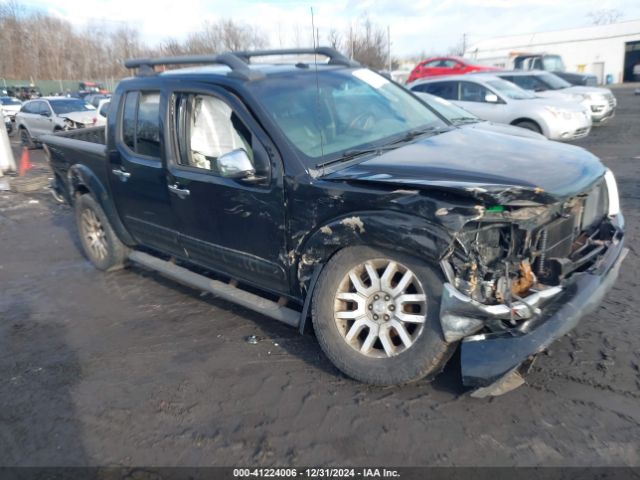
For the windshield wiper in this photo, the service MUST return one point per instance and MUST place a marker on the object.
(457, 120)
(406, 137)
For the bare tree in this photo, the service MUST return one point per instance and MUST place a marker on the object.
(368, 44)
(605, 16)
(335, 39)
(37, 45)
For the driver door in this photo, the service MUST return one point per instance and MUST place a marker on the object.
(227, 222)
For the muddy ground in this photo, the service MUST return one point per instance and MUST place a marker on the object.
(127, 368)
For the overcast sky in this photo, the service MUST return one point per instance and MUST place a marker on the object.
(416, 25)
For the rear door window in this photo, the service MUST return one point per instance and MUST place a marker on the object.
(446, 90)
(141, 123)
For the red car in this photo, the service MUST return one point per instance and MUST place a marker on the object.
(446, 66)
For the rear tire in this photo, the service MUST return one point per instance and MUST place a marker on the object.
(26, 139)
(99, 242)
(529, 125)
(386, 331)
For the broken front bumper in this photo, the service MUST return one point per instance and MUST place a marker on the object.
(486, 359)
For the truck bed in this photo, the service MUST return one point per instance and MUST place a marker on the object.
(86, 146)
(91, 135)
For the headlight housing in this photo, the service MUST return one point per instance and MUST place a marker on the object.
(557, 112)
(612, 189)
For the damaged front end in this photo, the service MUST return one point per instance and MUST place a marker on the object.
(523, 275)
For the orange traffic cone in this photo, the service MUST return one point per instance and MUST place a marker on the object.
(25, 164)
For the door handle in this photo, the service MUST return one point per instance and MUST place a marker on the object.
(180, 192)
(121, 174)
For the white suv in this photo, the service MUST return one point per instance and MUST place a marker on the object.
(52, 114)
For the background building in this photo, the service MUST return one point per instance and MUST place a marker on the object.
(602, 49)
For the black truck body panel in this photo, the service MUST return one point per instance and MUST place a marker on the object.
(420, 199)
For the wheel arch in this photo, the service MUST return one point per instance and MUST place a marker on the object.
(537, 123)
(401, 232)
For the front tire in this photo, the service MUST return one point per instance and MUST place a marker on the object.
(99, 242)
(529, 125)
(376, 315)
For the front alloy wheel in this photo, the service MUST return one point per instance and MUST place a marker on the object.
(376, 315)
(380, 308)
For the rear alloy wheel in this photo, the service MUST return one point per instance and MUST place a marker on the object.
(376, 315)
(94, 235)
(99, 241)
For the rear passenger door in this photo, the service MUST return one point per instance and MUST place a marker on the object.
(231, 225)
(137, 172)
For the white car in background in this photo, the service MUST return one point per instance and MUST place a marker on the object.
(462, 118)
(600, 101)
(10, 106)
(52, 114)
(496, 100)
(7, 122)
(103, 108)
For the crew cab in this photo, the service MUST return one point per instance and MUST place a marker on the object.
(325, 191)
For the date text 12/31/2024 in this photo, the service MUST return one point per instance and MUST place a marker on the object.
(373, 473)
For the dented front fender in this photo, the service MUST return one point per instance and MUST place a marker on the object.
(384, 229)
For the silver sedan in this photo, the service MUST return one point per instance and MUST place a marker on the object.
(497, 100)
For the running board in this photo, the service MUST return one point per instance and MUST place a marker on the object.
(223, 290)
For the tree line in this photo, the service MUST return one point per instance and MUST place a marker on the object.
(36, 45)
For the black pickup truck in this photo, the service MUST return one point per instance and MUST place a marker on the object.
(322, 190)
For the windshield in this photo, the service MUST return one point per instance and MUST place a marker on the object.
(69, 105)
(554, 82)
(346, 109)
(448, 110)
(510, 90)
(553, 63)
(9, 101)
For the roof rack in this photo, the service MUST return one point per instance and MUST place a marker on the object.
(237, 66)
(236, 61)
(335, 57)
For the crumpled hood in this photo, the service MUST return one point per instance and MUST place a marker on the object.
(590, 90)
(493, 167)
(85, 117)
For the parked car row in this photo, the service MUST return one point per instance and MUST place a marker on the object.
(549, 101)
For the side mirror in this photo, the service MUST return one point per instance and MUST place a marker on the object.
(46, 114)
(235, 164)
(491, 98)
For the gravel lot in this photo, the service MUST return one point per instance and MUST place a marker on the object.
(128, 368)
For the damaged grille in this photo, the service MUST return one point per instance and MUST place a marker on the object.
(567, 237)
(502, 261)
